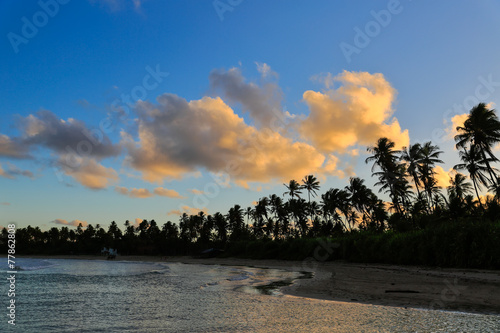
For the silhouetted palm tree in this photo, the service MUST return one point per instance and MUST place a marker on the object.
(412, 155)
(311, 185)
(293, 189)
(480, 131)
(474, 164)
(359, 194)
(390, 177)
(429, 158)
(459, 187)
(495, 189)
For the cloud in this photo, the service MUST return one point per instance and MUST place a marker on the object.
(188, 210)
(167, 193)
(145, 193)
(13, 148)
(262, 103)
(195, 191)
(137, 222)
(5, 203)
(134, 193)
(87, 171)
(13, 171)
(69, 136)
(457, 120)
(178, 137)
(359, 112)
(84, 103)
(264, 69)
(442, 176)
(73, 223)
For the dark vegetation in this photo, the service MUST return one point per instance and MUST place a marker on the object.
(422, 224)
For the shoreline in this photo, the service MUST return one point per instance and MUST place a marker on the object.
(449, 289)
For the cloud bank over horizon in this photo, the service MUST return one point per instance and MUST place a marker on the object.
(241, 130)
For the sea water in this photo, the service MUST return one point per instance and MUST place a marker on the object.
(63, 295)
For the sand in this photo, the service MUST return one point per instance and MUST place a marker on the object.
(467, 290)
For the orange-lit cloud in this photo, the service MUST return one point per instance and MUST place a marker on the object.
(208, 134)
(13, 148)
(442, 176)
(145, 193)
(137, 221)
(134, 193)
(359, 112)
(167, 193)
(188, 210)
(87, 171)
(73, 223)
(457, 120)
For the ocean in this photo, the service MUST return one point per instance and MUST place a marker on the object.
(65, 295)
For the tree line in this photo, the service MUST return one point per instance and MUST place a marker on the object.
(417, 205)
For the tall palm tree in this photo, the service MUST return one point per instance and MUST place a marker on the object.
(385, 157)
(428, 160)
(311, 185)
(474, 164)
(248, 213)
(360, 194)
(235, 221)
(412, 155)
(481, 130)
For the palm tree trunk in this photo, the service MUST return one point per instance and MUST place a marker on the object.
(490, 170)
(477, 193)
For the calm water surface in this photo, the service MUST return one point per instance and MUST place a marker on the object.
(62, 295)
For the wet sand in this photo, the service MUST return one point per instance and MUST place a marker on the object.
(467, 290)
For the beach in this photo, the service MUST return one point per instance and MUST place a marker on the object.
(467, 290)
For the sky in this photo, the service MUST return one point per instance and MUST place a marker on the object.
(115, 110)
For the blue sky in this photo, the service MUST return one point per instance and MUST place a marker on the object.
(229, 64)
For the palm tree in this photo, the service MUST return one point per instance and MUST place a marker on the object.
(248, 212)
(480, 130)
(495, 189)
(459, 187)
(293, 189)
(235, 221)
(412, 156)
(335, 199)
(359, 194)
(474, 164)
(385, 157)
(429, 158)
(311, 184)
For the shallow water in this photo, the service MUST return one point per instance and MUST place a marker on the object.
(63, 295)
